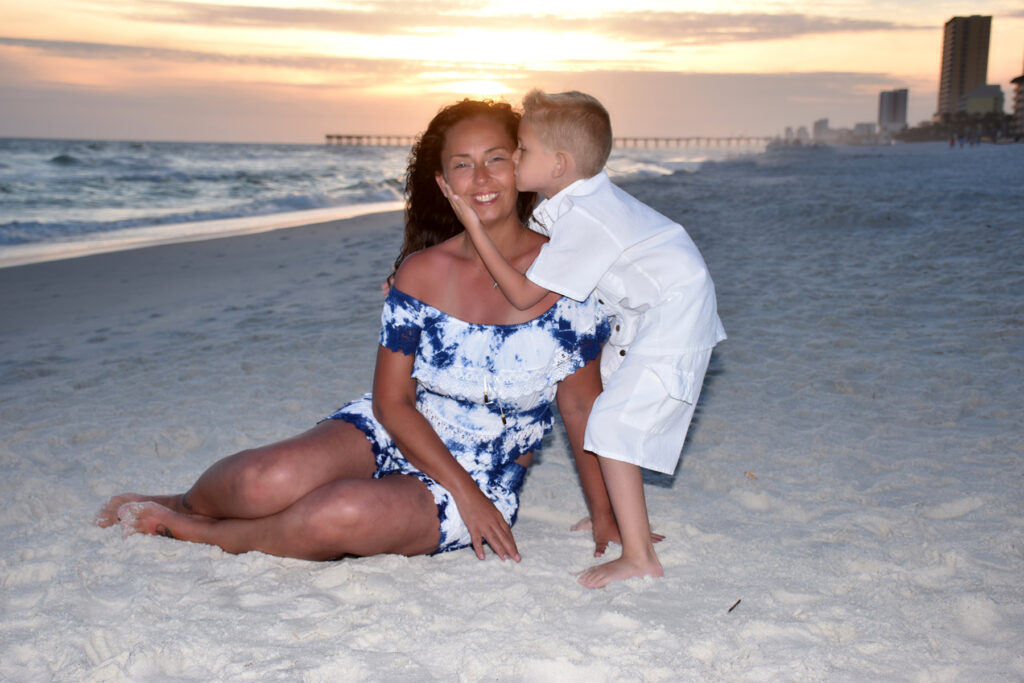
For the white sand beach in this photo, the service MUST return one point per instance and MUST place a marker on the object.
(851, 488)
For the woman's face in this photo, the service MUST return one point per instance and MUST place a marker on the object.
(476, 160)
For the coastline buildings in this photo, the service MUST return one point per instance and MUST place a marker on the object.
(1017, 122)
(861, 134)
(822, 133)
(892, 111)
(964, 61)
(985, 99)
(969, 108)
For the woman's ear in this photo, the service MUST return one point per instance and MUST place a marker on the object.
(441, 183)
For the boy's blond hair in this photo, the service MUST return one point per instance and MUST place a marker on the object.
(573, 122)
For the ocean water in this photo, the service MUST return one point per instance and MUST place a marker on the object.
(55, 192)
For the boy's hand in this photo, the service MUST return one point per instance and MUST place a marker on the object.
(463, 211)
(605, 531)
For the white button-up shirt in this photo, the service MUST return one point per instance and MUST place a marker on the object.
(644, 267)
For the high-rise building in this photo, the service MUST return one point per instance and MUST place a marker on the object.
(821, 130)
(964, 60)
(892, 111)
(1017, 122)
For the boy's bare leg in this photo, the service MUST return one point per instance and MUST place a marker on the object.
(625, 485)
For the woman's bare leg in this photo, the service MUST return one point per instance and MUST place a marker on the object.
(263, 481)
(395, 514)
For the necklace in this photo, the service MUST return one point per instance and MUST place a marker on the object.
(465, 249)
(494, 283)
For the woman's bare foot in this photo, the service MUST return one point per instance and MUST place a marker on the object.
(107, 516)
(145, 517)
(623, 568)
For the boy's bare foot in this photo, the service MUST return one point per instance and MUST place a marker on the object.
(623, 568)
(107, 516)
(605, 534)
(145, 517)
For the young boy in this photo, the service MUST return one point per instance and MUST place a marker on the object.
(648, 273)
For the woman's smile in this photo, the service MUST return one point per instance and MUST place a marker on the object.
(477, 164)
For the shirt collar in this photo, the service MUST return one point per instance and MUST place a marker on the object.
(553, 208)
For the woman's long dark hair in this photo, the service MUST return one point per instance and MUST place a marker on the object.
(429, 218)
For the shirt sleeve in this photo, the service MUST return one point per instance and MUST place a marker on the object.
(580, 252)
(401, 323)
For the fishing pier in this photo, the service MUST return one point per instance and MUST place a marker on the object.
(373, 140)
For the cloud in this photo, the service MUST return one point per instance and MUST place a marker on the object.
(376, 18)
(700, 28)
(417, 18)
(82, 50)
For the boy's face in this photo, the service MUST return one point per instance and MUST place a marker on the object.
(535, 163)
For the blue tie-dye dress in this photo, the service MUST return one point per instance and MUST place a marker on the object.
(486, 390)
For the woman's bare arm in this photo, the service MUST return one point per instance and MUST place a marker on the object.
(576, 394)
(394, 405)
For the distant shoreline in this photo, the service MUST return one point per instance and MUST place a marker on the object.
(176, 233)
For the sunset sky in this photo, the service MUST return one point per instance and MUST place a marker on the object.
(274, 71)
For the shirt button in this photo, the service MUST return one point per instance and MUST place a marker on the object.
(617, 328)
(600, 301)
(622, 352)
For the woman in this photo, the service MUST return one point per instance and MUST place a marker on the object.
(433, 460)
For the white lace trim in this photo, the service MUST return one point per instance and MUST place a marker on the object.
(518, 435)
(452, 432)
(511, 386)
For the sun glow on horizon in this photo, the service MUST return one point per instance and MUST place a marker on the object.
(318, 54)
(479, 89)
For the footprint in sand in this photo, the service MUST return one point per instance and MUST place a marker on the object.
(101, 649)
(34, 572)
(979, 617)
(953, 509)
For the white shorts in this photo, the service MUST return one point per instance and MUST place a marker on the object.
(644, 412)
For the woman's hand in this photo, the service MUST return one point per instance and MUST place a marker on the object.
(394, 405)
(485, 522)
(605, 531)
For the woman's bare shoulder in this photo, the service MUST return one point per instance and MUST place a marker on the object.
(532, 243)
(420, 275)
